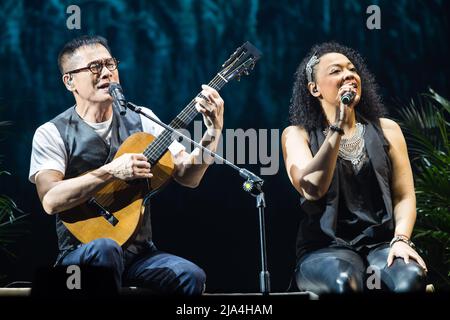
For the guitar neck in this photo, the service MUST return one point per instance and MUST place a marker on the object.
(158, 147)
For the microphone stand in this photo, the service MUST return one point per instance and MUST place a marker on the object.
(252, 185)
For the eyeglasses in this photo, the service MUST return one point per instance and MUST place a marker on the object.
(96, 66)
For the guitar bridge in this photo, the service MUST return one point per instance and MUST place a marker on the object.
(101, 211)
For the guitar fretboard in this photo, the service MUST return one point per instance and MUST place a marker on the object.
(158, 147)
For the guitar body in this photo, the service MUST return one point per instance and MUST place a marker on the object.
(122, 199)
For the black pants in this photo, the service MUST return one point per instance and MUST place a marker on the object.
(342, 270)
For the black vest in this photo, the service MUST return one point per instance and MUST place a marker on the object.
(86, 151)
(319, 218)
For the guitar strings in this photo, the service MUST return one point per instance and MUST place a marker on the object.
(159, 144)
(178, 122)
(165, 137)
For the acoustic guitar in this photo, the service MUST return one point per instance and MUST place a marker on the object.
(116, 210)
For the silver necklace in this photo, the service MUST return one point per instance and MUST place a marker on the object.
(352, 149)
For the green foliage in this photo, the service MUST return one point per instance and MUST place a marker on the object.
(11, 217)
(11, 226)
(427, 129)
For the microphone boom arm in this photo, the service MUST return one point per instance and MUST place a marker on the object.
(246, 174)
(252, 185)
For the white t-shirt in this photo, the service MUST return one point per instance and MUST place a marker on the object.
(49, 152)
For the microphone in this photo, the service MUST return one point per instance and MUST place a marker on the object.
(115, 91)
(348, 97)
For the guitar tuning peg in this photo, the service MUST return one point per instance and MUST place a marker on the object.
(232, 56)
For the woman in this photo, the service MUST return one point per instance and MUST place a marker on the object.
(351, 168)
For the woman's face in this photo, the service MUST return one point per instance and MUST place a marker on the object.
(334, 71)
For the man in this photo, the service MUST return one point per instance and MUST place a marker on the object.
(85, 138)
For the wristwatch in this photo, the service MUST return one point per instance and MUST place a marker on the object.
(402, 238)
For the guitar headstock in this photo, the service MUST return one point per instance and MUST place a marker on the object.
(242, 61)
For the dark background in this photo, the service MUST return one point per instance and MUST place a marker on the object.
(167, 50)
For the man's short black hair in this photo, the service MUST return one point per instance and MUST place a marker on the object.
(71, 46)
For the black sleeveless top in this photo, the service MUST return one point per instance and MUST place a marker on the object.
(360, 204)
(356, 211)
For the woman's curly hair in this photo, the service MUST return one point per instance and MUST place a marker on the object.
(305, 109)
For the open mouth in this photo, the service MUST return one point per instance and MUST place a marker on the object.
(103, 85)
(353, 83)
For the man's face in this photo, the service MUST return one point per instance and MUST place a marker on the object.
(87, 86)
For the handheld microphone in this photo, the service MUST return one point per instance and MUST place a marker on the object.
(348, 97)
(115, 91)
